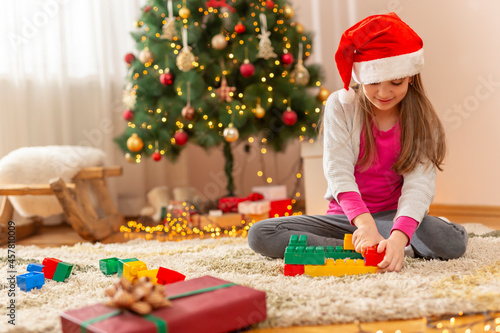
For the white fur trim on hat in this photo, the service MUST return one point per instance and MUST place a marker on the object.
(386, 69)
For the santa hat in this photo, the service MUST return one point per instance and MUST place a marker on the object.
(376, 49)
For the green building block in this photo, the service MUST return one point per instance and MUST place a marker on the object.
(300, 255)
(109, 266)
(62, 272)
(339, 253)
(120, 265)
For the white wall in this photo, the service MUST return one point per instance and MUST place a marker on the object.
(461, 76)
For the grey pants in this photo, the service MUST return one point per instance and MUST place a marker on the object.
(433, 239)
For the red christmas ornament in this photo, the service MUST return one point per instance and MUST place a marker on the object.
(289, 117)
(156, 156)
(181, 137)
(129, 58)
(270, 4)
(247, 69)
(147, 9)
(239, 28)
(128, 115)
(167, 78)
(287, 58)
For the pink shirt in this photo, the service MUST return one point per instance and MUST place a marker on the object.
(379, 186)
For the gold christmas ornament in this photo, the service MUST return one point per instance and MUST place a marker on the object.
(146, 55)
(266, 50)
(168, 30)
(219, 42)
(300, 74)
(299, 28)
(135, 143)
(184, 12)
(231, 133)
(288, 11)
(323, 94)
(259, 111)
(186, 58)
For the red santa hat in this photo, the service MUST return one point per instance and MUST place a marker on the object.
(376, 49)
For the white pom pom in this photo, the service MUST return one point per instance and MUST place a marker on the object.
(347, 96)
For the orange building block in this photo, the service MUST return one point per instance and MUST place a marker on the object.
(131, 268)
(348, 245)
(339, 267)
(150, 273)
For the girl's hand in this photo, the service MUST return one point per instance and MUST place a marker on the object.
(394, 248)
(367, 233)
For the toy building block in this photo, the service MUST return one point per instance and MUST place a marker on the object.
(28, 281)
(310, 255)
(339, 267)
(348, 245)
(372, 257)
(166, 276)
(120, 265)
(109, 266)
(131, 268)
(63, 271)
(49, 267)
(35, 268)
(150, 273)
(293, 270)
(339, 252)
(298, 253)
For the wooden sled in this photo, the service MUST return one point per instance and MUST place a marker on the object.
(75, 201)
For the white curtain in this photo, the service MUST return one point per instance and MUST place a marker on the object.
(62, 71)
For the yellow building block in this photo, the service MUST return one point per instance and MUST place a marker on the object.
(130, 269)
(348, 242)
(151, 273)
(339, 267)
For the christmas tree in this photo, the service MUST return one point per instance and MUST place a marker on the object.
(214, 72)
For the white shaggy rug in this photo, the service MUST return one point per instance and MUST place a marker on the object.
(423, 288)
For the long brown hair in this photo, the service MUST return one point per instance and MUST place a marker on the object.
(422, 133)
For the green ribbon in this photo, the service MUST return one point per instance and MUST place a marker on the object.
(160, 324)
(89, 322)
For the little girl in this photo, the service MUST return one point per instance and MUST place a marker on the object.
(382, 145)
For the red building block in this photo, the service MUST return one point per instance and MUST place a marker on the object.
(293, 270)
(166, 276)
(372, 257)
(49, 267)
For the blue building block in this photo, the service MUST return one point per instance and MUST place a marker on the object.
(30, 280)
(34, 268)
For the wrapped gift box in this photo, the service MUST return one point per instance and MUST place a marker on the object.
(224, 221)
(271, 192)
(254, 207)
(230, 204)
(228, 308)
(281, 208)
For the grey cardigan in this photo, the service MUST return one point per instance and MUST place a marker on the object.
(341, 139)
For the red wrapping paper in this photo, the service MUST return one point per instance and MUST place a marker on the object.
(281, 207)
(221, 310)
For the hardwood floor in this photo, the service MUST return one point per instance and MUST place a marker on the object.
(53, 236)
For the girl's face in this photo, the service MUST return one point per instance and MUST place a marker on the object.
(385, 96)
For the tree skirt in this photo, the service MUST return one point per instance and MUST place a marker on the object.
(423, 288)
